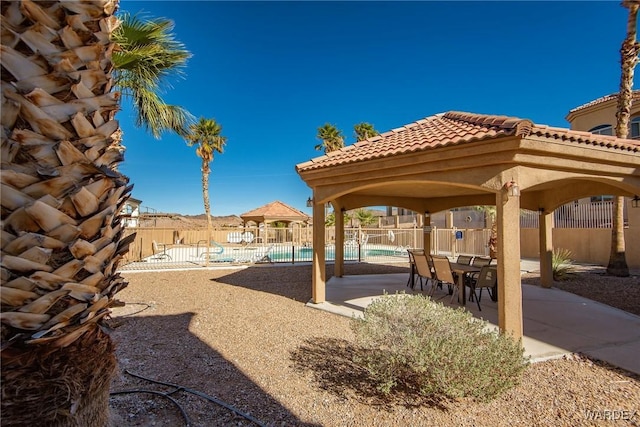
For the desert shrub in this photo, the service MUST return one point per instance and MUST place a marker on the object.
(561, 264)
(410, 341)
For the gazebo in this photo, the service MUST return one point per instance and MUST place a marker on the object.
(275, 211)
(464, 159)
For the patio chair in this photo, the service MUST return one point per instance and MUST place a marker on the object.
(422, 269)
(412, 265)
(464, 259)
(487, 278)
(478, 261)
(160, 253)
(443, 274)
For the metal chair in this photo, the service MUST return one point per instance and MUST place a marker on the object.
(421, 267)
(160, 254)
(481, 260)
(478, 261)
(487, 278)
(443, 274)
(464, 259)
(412, 265)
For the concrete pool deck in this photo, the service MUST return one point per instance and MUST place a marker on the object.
(556, 323)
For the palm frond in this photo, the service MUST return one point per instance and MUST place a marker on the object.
(331, 137)
(156, 116)
(364, 131)
(147, 54)
(206, 135)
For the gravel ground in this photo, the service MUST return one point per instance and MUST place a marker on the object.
(245, 339)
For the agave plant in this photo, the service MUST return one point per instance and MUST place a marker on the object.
(61, 198)
(561, 263)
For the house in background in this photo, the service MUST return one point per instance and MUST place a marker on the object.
(599, 117)
(131, 212)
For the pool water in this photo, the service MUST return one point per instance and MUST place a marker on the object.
(301, 254)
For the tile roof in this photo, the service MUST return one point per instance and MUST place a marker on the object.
(603, 99)
(275, 209)
(455, 128)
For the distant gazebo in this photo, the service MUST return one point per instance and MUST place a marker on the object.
(275, 212)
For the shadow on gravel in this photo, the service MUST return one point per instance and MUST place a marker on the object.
(161, 348)
(330, 361)
(294, 281)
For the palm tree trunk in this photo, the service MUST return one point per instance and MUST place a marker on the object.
(65, 387)
(628, 59)
(61, 201)
(205, 194)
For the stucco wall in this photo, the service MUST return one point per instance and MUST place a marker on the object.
(599, 114)
(588, 245)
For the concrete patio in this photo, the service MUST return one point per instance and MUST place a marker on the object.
(556, 323)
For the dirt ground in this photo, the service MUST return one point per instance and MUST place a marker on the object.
(240, 348)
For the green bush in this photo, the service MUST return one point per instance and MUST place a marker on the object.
(561, 264)
(411, 341)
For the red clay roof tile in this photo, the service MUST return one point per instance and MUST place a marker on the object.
(454, 128)
(635, 96)
(275, 209)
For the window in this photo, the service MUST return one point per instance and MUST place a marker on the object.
(634, 128)
(602, 130)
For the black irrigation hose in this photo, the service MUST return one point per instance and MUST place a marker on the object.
(197, 393)
(147, 306)
(159, 393)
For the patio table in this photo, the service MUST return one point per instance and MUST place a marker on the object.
(461, 270)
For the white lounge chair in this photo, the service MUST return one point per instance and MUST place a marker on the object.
(160, 250)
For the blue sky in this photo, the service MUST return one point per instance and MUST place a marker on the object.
(271, 73)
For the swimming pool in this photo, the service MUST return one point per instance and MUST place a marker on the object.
(185, 256)
(351, 253)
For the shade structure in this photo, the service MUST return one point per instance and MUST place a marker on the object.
(460, 159)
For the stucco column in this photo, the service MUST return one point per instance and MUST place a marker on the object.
(509, 280)
(545, 228)
(318, 276)
(339, 224)
(426, 234)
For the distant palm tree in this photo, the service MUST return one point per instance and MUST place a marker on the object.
(628, 60)
(365, 217)
(331, 137)
(146, 55)
(364, 131)
(206, 135)
(330, 220)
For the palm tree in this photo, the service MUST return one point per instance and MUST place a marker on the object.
(61, 202)
(206, 135)
(365, 217)
(146, 55)
(331, 137)
(364, 131)
(330, 220)
(628, 59)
